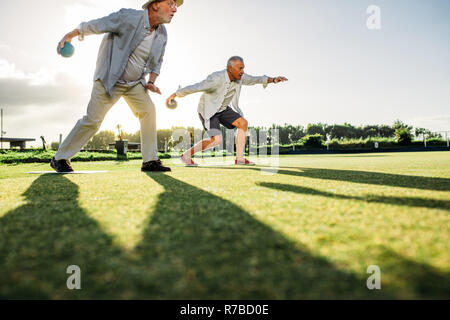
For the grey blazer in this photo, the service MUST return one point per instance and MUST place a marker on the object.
(124, 30)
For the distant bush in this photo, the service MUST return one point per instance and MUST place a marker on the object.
(368, 143)
(403, 136)
(314, 140)
(436, 142)
(40, 156)
(55, 146)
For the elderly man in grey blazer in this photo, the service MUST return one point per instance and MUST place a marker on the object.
(219, 105)
(133, 48)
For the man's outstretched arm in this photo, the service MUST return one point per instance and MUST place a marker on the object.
(106, 24)
(248, 80)
(206, 85)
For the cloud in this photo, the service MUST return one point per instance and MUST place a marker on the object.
(4, 47)
(21, 93)
(434, 123)
(93, 9)
(41, 102)
(20, 90)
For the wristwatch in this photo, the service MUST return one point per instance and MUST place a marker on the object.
(151, 82)
(275, 80)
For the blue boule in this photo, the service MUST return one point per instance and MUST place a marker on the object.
(67, 51)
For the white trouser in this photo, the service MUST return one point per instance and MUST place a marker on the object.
(100, 103)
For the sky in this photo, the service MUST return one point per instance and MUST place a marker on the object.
(339, 70)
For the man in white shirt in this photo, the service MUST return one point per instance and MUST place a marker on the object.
(221, 91)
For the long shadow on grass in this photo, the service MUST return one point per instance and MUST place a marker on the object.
(400, 201)
(201, 246)
(411, 279)
(375, 178)
(364, 177)
(196, 245)
(48, 233)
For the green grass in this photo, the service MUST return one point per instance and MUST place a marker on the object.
(309, 231)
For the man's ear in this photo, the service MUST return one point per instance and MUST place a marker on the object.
(152, 6)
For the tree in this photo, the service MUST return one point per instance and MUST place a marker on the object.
(403, 136)
(319, 128)
(283, 134)
(101, 140)
(132, 137)
(313, 140)
(120, 132)
(401, 125)
(370, 131)
(287, 134)
(421, 132)
(55, 146)
(386, 131)
(164, 136)
(297, 133)
(403, 133)
(338, 131)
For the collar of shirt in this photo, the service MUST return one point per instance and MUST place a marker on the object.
(147, 22)
(228, 81)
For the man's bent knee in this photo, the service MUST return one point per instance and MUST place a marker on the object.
(241, 124)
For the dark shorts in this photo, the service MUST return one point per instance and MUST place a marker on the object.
(225, 118)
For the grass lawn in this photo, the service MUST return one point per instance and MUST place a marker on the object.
(227, 232)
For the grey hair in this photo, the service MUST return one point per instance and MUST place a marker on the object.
(234, 58)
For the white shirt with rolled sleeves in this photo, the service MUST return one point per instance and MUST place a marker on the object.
(215, 88)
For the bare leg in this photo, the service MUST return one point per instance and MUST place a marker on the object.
(202, 145)
(241, 137)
